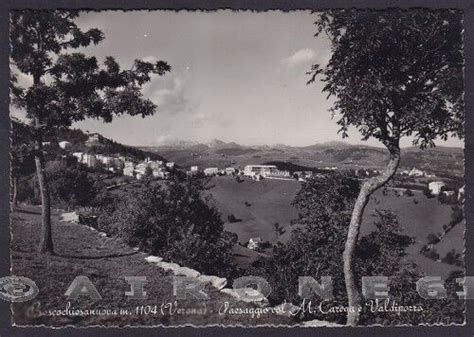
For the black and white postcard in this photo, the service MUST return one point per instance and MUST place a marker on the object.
(233, 168)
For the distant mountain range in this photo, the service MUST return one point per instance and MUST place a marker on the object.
(218, 153)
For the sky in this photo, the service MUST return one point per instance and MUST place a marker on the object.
(236, 76)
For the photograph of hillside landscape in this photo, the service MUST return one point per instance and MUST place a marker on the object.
(237, 168)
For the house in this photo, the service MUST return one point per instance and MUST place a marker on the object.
(158, 173)
(78, 156)
(64, 145)
(94, 139)
(435, 187)
(278, 174)
(141, 168)
(211, 171)
(89, 159)
(416, 173)
(194, 169)
(170, 164)
(108, 161)
(229, 170)
(129, 171)
(259, 170)
(254, 243)
(155, 165)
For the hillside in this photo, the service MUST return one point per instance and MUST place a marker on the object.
(340, 154)
(22, 134)
(258, 205)
(105, 261)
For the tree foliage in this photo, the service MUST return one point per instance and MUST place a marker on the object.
(75, 86)
(173, 221)
(70, 186)
(324, 204)
(315, 250)
(68, 86)
(395, 73)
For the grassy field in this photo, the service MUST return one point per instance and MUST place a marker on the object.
(105, 261)
(270, 202)
(419, 220)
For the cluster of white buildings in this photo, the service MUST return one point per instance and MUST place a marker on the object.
(414, 172)
(96, 160)
(213, 171)
(254, 171)
(265, 171)
(88, 159)
(157, 168)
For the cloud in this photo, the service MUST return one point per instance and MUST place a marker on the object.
(166, 139)
(172, 97)
(203, 119)
(302, 56)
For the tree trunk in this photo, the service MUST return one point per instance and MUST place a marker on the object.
(14, 192)
(46, 243)
(368, 188)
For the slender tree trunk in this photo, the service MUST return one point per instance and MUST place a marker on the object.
(14, 192)
(368, 188)
(46, 243)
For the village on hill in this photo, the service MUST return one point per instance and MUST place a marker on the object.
(120, 164)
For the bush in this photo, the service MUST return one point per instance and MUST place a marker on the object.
(427, 193)
(27, 190)
(232, 218)
(174, 222)
(432, 239)
(431, 254)
(315, 247)
(453, 258)
(70, 186)
(409, 193)
(448, 199)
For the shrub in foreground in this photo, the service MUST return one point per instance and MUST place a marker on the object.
(173, 221)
